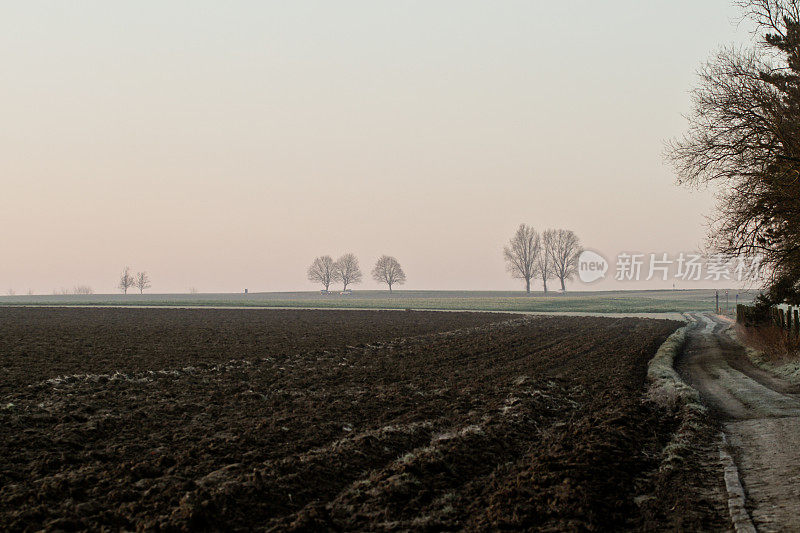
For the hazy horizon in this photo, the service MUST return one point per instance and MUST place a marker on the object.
(223, 147)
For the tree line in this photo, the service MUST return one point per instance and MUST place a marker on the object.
(127, 281)
(346, 271)
(551, 255)
(528, 255)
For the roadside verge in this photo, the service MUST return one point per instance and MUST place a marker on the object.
(788, 369)
(688, 476)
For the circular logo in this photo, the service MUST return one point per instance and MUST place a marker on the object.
(591, 266)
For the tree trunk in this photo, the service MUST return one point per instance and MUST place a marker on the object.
(390, 287)
(528, 285)
(563, 287)
(544, 281)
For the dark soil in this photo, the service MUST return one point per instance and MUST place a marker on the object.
(328, 420)
(36, 344)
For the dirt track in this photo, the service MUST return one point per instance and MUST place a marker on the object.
(760, 415)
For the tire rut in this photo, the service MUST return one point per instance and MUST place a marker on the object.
(760, 416)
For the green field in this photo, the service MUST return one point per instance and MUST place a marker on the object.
(657, 301)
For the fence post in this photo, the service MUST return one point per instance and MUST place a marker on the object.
(797, 323)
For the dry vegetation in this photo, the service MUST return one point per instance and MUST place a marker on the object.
(773, 349)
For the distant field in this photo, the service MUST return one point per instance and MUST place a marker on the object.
(660, 301)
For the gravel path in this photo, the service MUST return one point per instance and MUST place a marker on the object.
(760, 414)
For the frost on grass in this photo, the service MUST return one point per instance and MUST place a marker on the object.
(666, 386)
(668, 390)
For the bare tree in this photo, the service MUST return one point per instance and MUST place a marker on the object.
(388, 270)
(321, 271)
(126, 280)
(142, 282)
(771, 15)
(521, 253)
(544, 261)
(346, 271)
(744, 136)
(11, 292)
(82, 289)
(564, 251)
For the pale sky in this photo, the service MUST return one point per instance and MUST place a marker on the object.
(223, 145)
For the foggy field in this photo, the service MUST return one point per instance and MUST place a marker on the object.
(656, 301)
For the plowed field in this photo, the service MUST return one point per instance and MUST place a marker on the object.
(208, 419)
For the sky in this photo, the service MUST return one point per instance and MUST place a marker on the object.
(224, 145)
